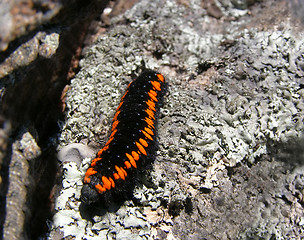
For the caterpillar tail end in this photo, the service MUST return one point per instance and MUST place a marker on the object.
(89, 195)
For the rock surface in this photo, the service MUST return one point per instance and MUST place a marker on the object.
(21, 17)
(230, 161)
(35, 70)
(230, 158)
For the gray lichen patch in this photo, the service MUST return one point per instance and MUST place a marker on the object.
(233, 106)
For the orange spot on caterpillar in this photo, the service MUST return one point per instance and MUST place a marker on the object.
(116, 115)
(156, 85)
(150, 113)
(132, 161)
(147, 135)
(120, 172)
(119, 106)
(129, 84)
(86, 179)
(109, 141)
(112, 182)
(153, 93)
(102, 150)
(116, 176)
(150, 122)
(149, 131)
(160, 77)
(124, 171)
(129, 156)
(135, 155)
(143, 142)
(111, 137)
(127, 164)
(125, 92)
(151, 105)
(100, 188)
(141, 148)
(90, 172)
(94, 161)
(106, 182)
(113, 133)
(152, 96)
(114, 125)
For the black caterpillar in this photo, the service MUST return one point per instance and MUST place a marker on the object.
(132, 136)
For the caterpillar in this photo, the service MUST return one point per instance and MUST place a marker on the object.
(131, 139)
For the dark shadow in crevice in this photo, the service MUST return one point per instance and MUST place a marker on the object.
(4, 173)
(35, 102)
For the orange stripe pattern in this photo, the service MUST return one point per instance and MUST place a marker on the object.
(132, 134)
